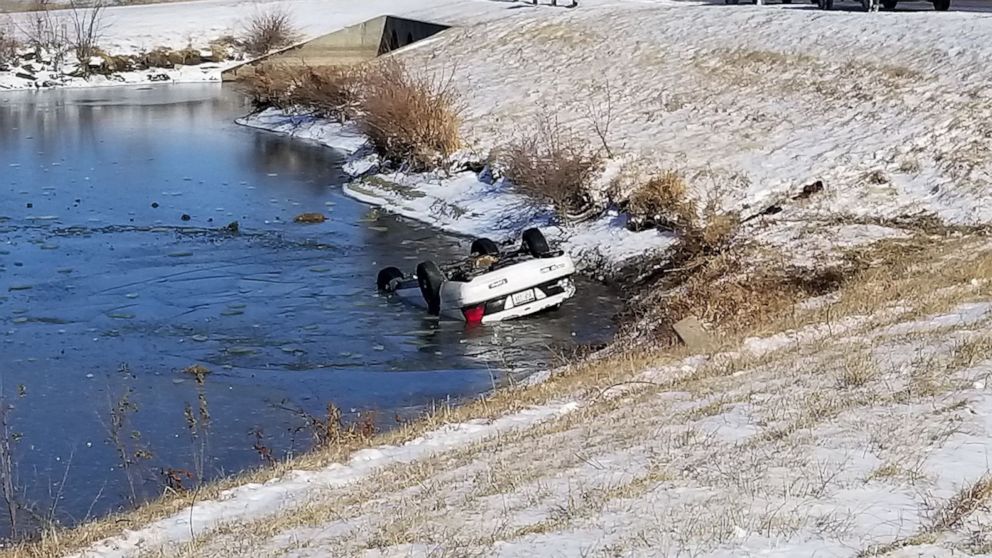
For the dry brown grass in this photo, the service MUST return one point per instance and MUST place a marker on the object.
(552, 166)
(966, 502)
(410, 118)
(663, 202)
(963, 504)
(268, 30)
(328, 92)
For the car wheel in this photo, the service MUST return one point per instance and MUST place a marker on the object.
(430, 277)
(889, 5)
(384, 282)
(484, 247)
(536, 244)
(941, 5)
(786, 1)
(825, 4)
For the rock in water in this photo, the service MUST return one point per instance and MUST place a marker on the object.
(310, 218)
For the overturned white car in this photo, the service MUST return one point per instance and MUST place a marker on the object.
(491, 285)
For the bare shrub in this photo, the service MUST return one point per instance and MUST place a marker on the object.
(328, 92)
(269, 30)
(55, 34)
(86, 28)
(663, 202)
(552, 166)
(601, 116)
(409, 119)
(8, 44)
(47, 34)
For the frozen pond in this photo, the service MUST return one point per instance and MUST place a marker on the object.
(117, 272)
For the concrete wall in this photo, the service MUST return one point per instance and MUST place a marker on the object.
(350, 45)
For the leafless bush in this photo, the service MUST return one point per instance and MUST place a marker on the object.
(266, 31)
(86, 28)
(47, 34)
(600, 115)
(552, 166)
(663, 202)
(8, 43)
(329, 92)
(410, 119)
(55, 34)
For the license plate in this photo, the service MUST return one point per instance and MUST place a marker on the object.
(523, 297)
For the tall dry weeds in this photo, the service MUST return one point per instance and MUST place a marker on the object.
(332, 92)
(411, 119)
(552, 166)
(663, 202)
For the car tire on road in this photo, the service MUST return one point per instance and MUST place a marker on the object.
(430, 277)
(536, 244)
(384, 282)
(484, 247)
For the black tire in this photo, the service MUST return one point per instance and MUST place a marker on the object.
(941, 5)
(386, 277)
(889, 5)
(484, 247)
(786, 1)
(825, 4)
(536, 244)
(728, 2)
(430, 277)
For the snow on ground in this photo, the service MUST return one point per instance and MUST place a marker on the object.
(827, 446)
(252, 500)
(888, 110)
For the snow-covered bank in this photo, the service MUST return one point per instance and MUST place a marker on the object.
(259, 500)
(131, 30)
(467, 203)
(750, 104)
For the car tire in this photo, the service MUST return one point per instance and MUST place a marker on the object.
(430, 277)
(536, 244)
(484, 247)
(825, 4)
(786, 1)
(889, 5)
(384, 282)
(941, 5)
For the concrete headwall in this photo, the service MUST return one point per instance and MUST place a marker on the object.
(350, 45)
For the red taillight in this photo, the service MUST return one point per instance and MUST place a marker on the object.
(473, 314)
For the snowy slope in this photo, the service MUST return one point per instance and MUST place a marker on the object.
(888, 110)
(777, 450)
